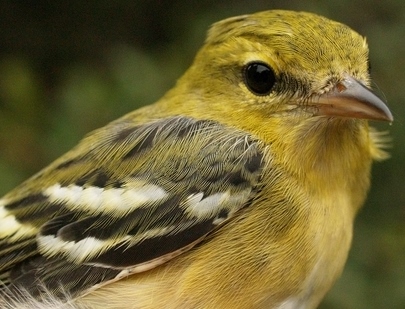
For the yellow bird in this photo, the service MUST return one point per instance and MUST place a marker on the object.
(237, 190)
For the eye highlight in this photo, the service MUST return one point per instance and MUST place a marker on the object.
(259, 78)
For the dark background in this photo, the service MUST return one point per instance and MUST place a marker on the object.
(67, 67)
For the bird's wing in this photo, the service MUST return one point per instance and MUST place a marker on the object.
(138, 197)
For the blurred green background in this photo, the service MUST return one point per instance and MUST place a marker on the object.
(67, 67)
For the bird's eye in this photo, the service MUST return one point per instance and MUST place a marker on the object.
(259, 78)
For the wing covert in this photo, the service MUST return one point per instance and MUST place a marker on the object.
(141, 195)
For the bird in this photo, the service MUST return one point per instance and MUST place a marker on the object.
(237, 189)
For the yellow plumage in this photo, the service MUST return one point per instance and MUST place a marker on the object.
(238, 189)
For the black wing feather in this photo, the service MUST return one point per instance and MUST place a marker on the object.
(208, 172)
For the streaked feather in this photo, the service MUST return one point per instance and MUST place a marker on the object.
(102, 218)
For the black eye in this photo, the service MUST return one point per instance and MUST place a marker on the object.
(259, 78)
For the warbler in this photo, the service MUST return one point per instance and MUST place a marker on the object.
(237, 190)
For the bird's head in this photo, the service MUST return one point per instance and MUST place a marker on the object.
(276, 64)
(298, 81)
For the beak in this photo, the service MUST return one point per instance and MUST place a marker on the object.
(351, 99)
